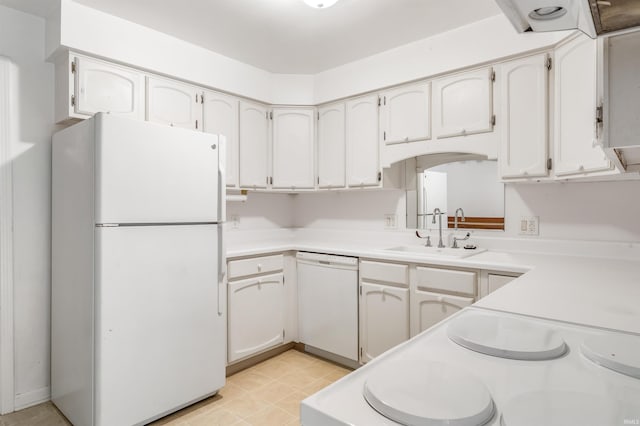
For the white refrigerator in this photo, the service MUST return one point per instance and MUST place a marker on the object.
(138, 328)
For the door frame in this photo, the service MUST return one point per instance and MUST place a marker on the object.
(7, 373)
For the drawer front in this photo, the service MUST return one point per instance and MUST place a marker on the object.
(446, 280)
(388, 272)
(256, 265)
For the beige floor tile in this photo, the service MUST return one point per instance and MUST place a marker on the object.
(248, 380)
(277, 369)
(214, 418)
(273, 392)
(316, 386)
(232, 391)
(297, 379)
(246, 406)
(291, 403)
(272, 416)
(337, 373)
(273, 389)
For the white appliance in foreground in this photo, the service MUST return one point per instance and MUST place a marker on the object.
(137, 267)
(328, 305)
(481, 367)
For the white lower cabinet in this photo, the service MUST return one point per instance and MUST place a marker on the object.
(430, 308)
(257, 306)
(383, 307)
(431, 301)
(384, 318)
(256, 315)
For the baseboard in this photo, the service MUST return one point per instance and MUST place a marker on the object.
(31, 398)
(250, 362)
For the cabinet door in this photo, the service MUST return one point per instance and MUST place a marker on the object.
(173, 103)
(256, 315)
(428, 308)
(254, 145)
(384, 319)
(293, 148)
(575, 138)
(363, 161)
(463, 104)
(331, 146)
(220, 116)
(406, 114)
(102, 87)
(524, 112)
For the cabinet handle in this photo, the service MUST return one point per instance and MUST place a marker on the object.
(259, 267)
(406, 138)
(440, 299)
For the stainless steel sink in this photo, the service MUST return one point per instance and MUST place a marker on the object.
(457, 253)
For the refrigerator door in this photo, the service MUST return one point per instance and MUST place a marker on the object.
(160, 340)
(150, 173)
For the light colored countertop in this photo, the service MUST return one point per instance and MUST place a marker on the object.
(597, 284)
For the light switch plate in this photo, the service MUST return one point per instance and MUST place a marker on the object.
(390, 221)
(529, 225)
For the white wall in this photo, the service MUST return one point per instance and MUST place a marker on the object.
(22, 40)
(353, 210)
(261, 211)
(90, 31)
(601, 211)
(483, 41)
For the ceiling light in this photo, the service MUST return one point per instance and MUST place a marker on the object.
(320, 4)
(546, 13)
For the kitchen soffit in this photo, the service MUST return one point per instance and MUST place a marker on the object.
(287, 36)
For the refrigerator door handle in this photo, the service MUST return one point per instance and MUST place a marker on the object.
(222, 212)
(222, 269)
(222, 178)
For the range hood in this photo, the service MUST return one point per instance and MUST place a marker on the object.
(592, 17)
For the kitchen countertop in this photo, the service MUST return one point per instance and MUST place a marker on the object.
(584, 288)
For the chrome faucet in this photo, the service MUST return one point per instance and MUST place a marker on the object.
(439, 213)
(455, 218)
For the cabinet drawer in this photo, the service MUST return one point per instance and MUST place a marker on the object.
(256, 265)
(388, 272)
(446, 280)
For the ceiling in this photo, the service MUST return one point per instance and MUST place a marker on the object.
(286, 36)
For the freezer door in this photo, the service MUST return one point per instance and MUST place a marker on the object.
(151, 173)
(160, 340)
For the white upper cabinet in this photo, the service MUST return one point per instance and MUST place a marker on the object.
(332, 148)
(293, 148)
(85, 86)
(463, 104)
(577, 150)
(254, 145)
(174, 103)
(524, 117)
(220, 116)
(363, 161)
(406, 114)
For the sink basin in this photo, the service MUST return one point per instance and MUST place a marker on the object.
(459, 253)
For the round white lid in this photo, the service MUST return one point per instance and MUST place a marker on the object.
(618, 352)
(557, 408)
(506, 337)
(428, 393)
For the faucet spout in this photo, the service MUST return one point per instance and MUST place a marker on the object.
(455, 218)
(437, 211)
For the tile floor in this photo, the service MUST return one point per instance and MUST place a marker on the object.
(266, 394)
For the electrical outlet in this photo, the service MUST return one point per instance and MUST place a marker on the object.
(390, 221)
(235, 222)
(529, 225)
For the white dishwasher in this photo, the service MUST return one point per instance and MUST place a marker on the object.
(328, 303)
